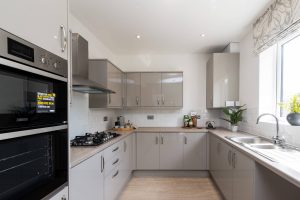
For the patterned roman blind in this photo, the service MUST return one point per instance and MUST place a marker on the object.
(280, 20)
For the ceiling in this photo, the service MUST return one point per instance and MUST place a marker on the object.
(168, 26)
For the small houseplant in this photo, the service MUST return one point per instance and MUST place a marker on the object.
(293, 106)
(235, 115)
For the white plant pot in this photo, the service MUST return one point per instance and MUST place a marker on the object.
(234, 128)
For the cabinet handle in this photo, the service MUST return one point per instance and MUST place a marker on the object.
(116, 174)
(116, 149)
(125, 146)
(101, 164)
(156, 140)
(229, 157)
(233, 160)
(162, 140)
(137, 101)
(158, 101)
(185, 140)
(71, 69)
(63, 39)
(109, 99)
(163, 100)
(116, 161)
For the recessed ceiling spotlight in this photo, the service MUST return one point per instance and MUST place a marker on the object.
(138, 36)
(202, 35)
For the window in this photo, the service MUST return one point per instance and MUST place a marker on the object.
(279, 75)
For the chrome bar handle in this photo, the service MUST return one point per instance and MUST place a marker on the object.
(116, 161)
(116, 174)
(137, 100)
(162, 139)
(233, 160)
(163, 100)
(185, 140)
(229, 157)
(116, 149)
(63, 38)
(158, 101)
(156, 140)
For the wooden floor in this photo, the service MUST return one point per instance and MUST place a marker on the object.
(166, 188)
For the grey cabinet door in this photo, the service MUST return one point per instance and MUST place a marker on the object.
(171, 151)
(87, 180)
(150, 89)
(194, 151)
(147, 151)
(133, 89)
(172, 89)
(243, 177)
(114, 82)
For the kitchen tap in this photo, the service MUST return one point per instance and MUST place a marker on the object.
(276, 139)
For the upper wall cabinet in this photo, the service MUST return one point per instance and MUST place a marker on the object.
(107, 74)
(222, 80)
(133, 89)
(43, 23)
(161, 89)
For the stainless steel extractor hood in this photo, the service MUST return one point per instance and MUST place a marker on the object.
(80, 67)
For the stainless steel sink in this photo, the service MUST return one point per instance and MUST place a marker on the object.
(265, 146)
(248, 140)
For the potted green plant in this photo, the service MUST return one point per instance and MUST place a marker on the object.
(293, 106)
(235, 115)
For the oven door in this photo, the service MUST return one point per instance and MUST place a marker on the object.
(31, 167)
(30, 98)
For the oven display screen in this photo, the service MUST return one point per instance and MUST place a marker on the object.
(45, 102)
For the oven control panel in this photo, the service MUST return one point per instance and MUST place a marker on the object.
(17, 49)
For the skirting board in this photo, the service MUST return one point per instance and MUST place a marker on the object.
(171, 173)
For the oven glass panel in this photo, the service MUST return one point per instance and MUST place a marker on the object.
(30, 101)
(33, 166)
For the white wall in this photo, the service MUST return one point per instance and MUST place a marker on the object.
(249, 94)
(194, 87)
(83, 119)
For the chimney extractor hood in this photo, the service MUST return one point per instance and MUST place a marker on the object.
(80, 66)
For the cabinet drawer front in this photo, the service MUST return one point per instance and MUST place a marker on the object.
(112, 164)
(112, 184)
(113, 150)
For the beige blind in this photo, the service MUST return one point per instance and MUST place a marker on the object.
(280, 20)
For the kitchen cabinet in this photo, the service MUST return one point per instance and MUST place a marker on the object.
(154, 89)
(44, 23)
(222, 80)
(61, 195)
(126, 164)
(172, 89)
(112, 184)
(151, 89)
(170, 151)
(133, 89)
(87, 179)
(147, 151)
(194, 151)
(104, 72)
(232, 171)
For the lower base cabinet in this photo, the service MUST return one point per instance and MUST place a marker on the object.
(87, 179)
(232, 171)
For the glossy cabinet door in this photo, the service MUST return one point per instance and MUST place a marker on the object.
(222, 79)
(126, 165)
(194, 151)
(243, 177)
(43, 23)
(172, 89)
(133, 89)
(147, 151)
(114, 82)
(61, 195)
(151, 89)
(87, 179)
(171, 151)
(112, 184)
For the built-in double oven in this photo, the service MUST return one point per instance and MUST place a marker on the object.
(33, 120)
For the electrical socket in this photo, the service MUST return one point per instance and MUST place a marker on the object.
(150, 117)
(105, 118)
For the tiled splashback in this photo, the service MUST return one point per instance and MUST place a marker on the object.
(166, 118)
(267, 129)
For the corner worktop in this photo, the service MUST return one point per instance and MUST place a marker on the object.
(79, 154)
